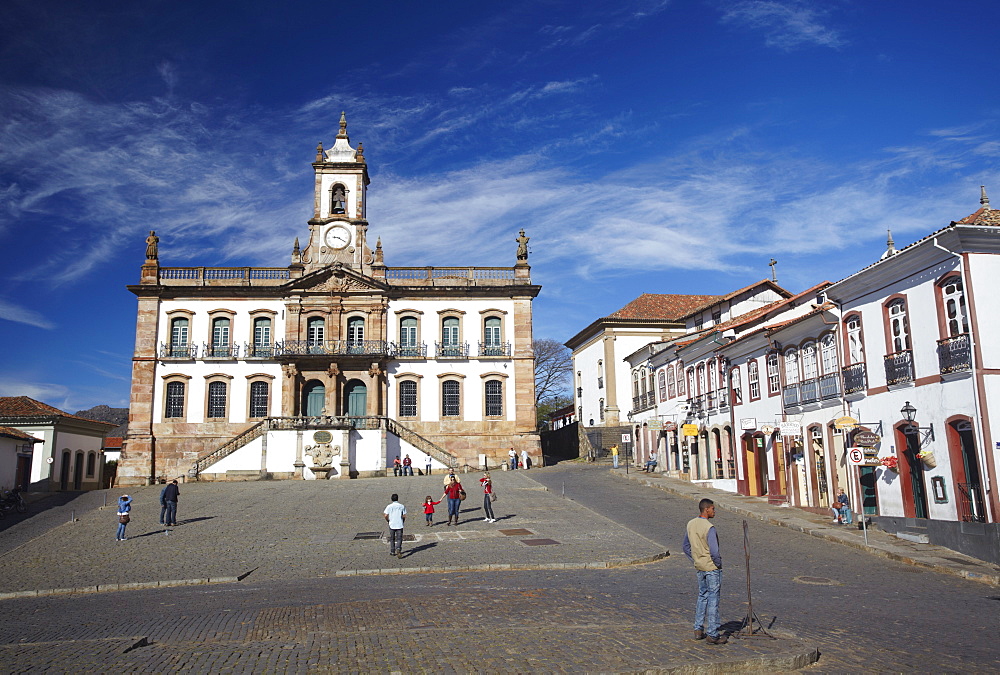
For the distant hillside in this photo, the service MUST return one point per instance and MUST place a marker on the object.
(103, 413)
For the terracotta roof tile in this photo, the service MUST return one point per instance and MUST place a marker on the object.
(18, 434)
(25, 406)
(112, 442)
(728, 296)
(661, 306)
(984, 216)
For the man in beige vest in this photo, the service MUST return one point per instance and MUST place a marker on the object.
(701, 546)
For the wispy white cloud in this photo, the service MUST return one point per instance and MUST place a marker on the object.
(18, 314)
(786, 24)
(40, 391)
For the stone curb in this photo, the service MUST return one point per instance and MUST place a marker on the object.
(504, 567)
(812, 530)
(771, 663)
(108, 588)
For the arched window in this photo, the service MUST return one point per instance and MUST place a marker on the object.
(642, 381)
(91, 463)
(680, 378)
(179, 332)
(492, 339)
(316, 334)
(259, 395)
(828, 354)
(356, 335)
(710, 384)
(692, 390)
(262, 337)
(175, 400)
(753, 379)
(736, 386)
(635, 384)
(450, 337)
(953, 301)
(220, 337)
(338, 199)
(792, 366)
(408, 398)
(899, 326)
(216, 400)
(451, 398)
(661, 380)
(600, 409)
(810, 365)
(494, 398)
(773, 375)
(671, 382)
(701, 379)
(855, 345)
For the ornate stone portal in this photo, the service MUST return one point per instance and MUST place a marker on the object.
(322, 455)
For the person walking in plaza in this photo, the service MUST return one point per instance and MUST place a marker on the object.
(701, 546)
(429, 505)
(395, 515)
(842, 508)
(453, 492)
(407, 466)
(163, 506)
(427, 463)
(448, 476)
(512, 454)
(169, 496)
(614, 455)
(487, 497)
(524, 459)
(124, 507)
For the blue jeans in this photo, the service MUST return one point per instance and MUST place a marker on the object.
(407, 470)
(171, 518)
(121, 530)
(488, 507)
(513, 463)
(453, 506)
(706, 614)
(614, 458)
(395, 541)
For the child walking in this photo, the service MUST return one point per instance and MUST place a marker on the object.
(124, 506)
(429, 505)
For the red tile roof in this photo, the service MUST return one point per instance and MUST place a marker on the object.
(984, 216)
(112, 443)
(729, 296)
(661, 306)
(18, 434)
(24, 406)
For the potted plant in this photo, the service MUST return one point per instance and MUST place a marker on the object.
(927, 457)
(891, 463)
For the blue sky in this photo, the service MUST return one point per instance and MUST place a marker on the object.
(645, 146)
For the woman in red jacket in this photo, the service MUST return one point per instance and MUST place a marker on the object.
(453, 491)
(488, 497)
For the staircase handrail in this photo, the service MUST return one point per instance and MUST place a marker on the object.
(421, 443)
(230, 446)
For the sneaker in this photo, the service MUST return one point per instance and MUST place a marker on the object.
(493, 520)
(699, 634)
(399, 554)
(717, 640)
(487, 520)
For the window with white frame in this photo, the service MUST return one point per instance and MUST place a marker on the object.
(691, 388)
(174, 404)
(855, 345)
(828, 353)
(953, 299)
(450, 331)
(671, 382)
(355, 334)
(220, 336)
(217, 400)
(259, 398)
(792, 366)
(710, 384)
(701, 379)
(736, 386)
(680, 378)
(315, 332)
(753, 379)
(451, 398)
(492, 336)
(899, 326)
(773, 375)
(262, 336)
(635, 384)
(179, 333)
(810, 365)
(661, 380)
(408, 336)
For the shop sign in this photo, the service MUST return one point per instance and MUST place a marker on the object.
(862, 457)
(767, 429)
(845, 422)
(790, 428)
(654, 425)
(867, 438)
(690, 429)
(748, 423)
(670, 426)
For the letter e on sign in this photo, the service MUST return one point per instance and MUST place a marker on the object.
(856, 455)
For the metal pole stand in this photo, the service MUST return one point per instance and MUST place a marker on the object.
(747, 630)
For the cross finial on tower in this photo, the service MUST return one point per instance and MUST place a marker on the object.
(983, 199)
(890, 245)
(774, 274)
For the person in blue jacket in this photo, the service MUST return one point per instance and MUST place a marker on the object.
(124, 506)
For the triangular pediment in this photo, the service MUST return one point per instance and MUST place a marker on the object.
(337, 278)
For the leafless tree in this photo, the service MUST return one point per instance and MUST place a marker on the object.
(553, 368)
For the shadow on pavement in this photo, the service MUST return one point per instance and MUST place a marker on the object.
(417, 549)
(41, 503)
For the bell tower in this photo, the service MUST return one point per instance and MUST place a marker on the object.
(338, 229)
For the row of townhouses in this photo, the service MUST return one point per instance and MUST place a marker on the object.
(880, 383)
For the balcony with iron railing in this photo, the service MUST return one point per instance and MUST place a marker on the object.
(366, 348)
(220, 351)
(790, 395)
(855, 378)
(451, 351)
(954, 354)
(643, 402)
(494, 350)
(411, 351)
(258, 351)
(899, 367)
(178, 351)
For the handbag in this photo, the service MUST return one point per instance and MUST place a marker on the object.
(493, 496)
(123, 518)
(461, 495)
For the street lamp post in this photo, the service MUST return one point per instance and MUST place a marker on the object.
(628, 447)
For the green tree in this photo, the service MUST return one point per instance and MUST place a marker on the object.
(553, 368)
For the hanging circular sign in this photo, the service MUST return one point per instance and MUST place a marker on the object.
(670, 426)
(845, 422)
(767, 429)
(867, 438)
(322, 437)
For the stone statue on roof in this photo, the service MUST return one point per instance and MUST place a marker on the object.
(152, 246)
(522, 245)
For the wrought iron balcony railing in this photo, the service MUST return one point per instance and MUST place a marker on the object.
(954, 354)
(809, 390)
(263, 351)
(855, 378)
(219, 351)
(331, 348)
(176, 351)
(899, 367)
(411, 351)
(790, 395)
(494, 349)
(451, 351)
(829, 386)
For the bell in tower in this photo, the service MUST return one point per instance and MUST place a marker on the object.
(338, 200)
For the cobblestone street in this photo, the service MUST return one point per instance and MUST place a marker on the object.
(547, 613)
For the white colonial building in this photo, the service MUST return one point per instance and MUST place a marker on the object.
(334, 365)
